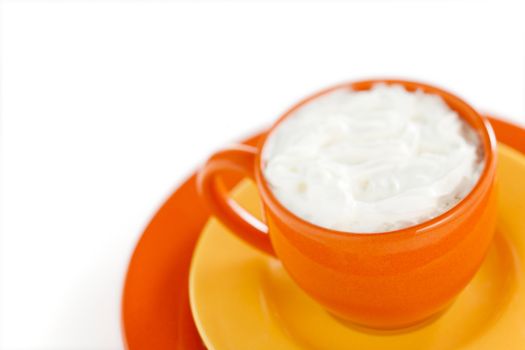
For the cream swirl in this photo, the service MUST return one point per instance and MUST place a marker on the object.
(372, 161)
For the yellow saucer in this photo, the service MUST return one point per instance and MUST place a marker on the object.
(244, 300)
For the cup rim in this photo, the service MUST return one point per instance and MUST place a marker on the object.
(483, 128)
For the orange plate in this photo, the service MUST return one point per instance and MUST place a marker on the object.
(155, 304)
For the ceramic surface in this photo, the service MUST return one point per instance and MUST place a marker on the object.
(155, 303)
(244, 299)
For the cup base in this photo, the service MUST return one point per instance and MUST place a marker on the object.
(394, 330)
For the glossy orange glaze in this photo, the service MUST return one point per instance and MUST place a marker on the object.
(382, 280)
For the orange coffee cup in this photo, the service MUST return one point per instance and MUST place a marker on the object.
(386, 280)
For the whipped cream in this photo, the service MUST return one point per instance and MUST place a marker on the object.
(372, 161)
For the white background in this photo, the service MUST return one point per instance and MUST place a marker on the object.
(106, 107)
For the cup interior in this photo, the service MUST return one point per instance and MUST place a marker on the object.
(479, 124)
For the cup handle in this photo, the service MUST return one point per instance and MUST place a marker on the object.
(241, 159)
